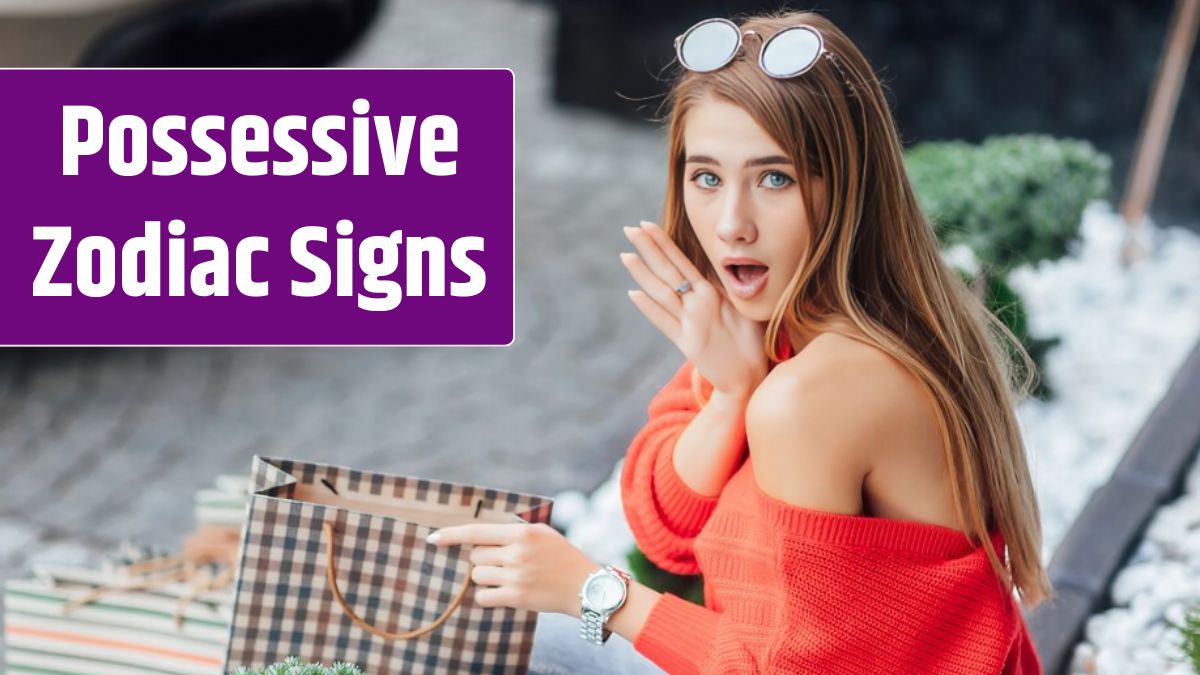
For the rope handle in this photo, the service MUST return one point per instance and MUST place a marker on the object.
(331, 576)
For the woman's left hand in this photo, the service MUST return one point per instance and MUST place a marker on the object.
(526, 566)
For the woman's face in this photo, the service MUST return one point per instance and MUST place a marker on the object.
(743, 200)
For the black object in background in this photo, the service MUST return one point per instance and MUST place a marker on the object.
(234, 33)
(951, 69)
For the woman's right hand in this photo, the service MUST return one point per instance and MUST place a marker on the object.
(723, 346)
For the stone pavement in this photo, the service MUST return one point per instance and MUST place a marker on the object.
(97, 445)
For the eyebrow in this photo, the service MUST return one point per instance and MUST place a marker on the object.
(757, 161)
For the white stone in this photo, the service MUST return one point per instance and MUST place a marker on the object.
(1133, 580)
(569, 505)
(1117, 380)
(1147, 660)
(1112, 662)
(1084, 659)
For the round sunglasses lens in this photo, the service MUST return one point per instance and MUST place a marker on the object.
(791, 52)
(709, 46)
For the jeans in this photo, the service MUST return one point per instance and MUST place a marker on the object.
(559, 650)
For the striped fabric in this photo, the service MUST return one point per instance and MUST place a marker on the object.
(224, 504)
(387, 572)
(130, 632)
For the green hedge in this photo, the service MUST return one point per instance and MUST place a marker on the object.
(1190, 631)
(689, 587)
(1003, 301)
(1011, 199)
(294, 666)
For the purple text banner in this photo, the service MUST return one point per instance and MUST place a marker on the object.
(257, 207)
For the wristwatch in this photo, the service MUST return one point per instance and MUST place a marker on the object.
(603, 593)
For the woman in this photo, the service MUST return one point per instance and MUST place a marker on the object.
(839, 456)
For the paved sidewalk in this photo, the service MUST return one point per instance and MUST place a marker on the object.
(97, 445)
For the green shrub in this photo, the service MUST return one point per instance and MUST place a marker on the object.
(294, 666)
(688, 587)
(1011, 199)
(1001, 300)
(1191, 636)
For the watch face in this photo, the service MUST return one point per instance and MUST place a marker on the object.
(605, 592)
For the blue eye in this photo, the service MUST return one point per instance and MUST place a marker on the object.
(706, 180)
(775, 180)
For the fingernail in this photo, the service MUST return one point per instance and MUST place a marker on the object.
(645, 223)
(433, 538)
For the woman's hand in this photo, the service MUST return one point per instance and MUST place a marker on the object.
(526, 566)
(724, 346)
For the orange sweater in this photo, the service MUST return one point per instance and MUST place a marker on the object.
(794, 590)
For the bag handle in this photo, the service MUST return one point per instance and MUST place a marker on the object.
(331, 576)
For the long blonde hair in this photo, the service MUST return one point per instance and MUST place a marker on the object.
(874, 259)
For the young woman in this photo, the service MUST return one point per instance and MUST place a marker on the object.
(839, 455)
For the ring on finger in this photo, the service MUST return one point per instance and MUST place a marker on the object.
(683, 288)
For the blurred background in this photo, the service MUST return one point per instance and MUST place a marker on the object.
(102, 445)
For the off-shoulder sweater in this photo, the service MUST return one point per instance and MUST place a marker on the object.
(789, 589)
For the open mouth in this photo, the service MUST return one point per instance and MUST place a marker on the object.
(747, 273)
(746, 281)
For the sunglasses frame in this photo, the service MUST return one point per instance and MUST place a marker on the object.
(762, 51)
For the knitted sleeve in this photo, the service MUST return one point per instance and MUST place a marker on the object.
(944, 615)
(663, 512)
(679, 636)
(840, 634)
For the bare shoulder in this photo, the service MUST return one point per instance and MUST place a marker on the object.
(819, 422)
(835, 371)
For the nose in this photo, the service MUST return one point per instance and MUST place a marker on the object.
(737, 217)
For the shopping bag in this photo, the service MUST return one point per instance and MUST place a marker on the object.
(334, 566)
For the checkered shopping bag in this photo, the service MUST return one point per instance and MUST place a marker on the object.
(334, 567)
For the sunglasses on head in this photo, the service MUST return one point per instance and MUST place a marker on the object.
(712, 43)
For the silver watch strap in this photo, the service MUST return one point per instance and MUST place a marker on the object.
(591, 627)
(592, 623)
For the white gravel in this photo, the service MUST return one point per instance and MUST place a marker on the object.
(1124, 333)
(1161, 582)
